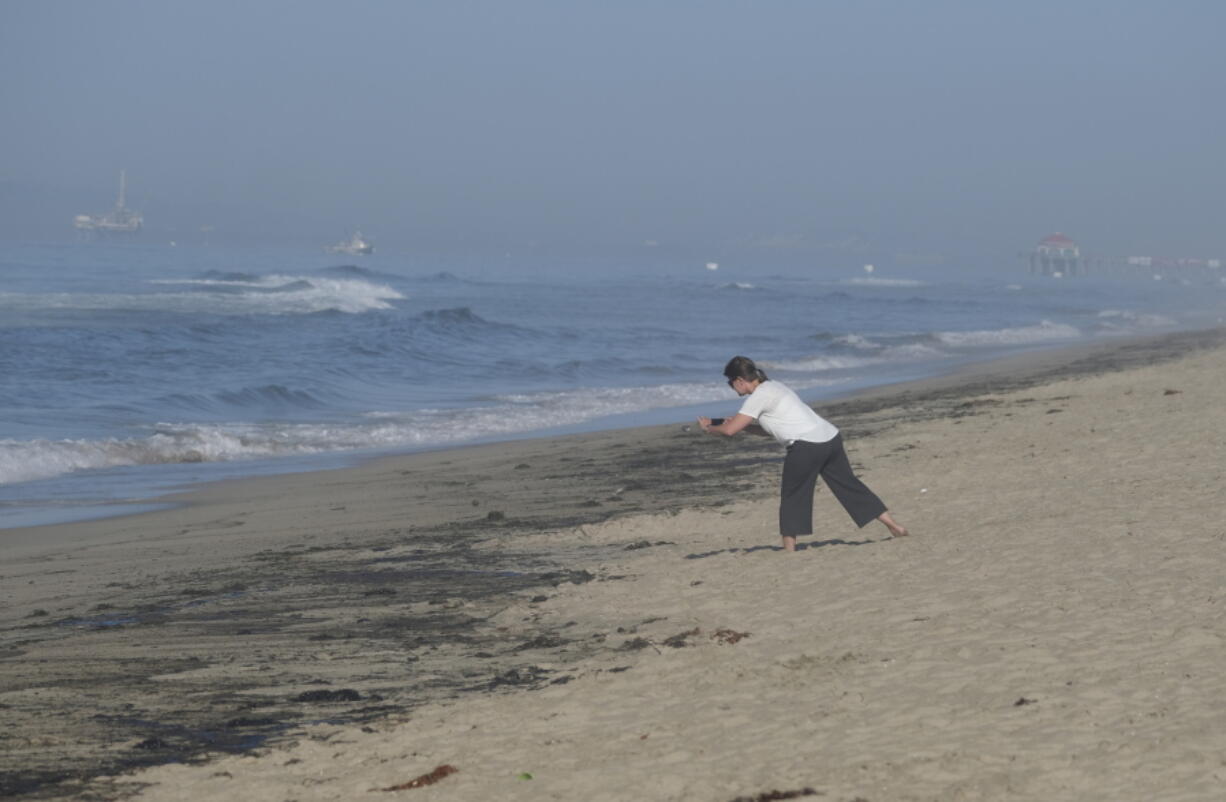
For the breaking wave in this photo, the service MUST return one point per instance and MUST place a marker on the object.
(234, 294)
(503, 415)
(275, 294)
(1045, 331)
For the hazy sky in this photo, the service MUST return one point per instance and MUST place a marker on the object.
(788, 129)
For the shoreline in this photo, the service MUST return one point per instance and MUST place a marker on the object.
(410, 581)
(1040, 361)
(1030, 366)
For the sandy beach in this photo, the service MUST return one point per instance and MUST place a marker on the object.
(609, 616)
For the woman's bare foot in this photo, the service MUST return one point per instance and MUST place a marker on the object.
(896, 529)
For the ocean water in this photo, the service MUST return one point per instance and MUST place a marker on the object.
(128, 371)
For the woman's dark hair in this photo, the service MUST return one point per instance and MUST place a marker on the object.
(742, 367)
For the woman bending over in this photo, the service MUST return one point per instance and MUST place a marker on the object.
(814, 448)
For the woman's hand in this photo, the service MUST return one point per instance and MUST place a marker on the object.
(725, 426)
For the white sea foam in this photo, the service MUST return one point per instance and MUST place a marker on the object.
(818, 363)
(1044, 331)
(22, 461)
(532, 411)
(505, 415)
(911, 352)
(857, 341)
(289, 294)
(1143, 320)
(868, 353)
(265, 295)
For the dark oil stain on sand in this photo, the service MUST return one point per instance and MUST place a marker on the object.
(246, 655)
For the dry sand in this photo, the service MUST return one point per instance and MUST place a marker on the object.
(610, 617)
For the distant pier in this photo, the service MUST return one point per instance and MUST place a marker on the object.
(1058, 256)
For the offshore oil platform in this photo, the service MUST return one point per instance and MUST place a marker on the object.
(118, 221)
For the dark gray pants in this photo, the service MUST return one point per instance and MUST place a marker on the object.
(804, 463)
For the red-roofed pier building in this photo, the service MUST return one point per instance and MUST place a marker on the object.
(1056, 255)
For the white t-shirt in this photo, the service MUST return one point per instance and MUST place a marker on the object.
(785, 417)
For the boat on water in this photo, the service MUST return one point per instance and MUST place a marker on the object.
(355, 244)
(120, 220)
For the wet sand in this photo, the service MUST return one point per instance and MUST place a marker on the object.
(609, 612)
